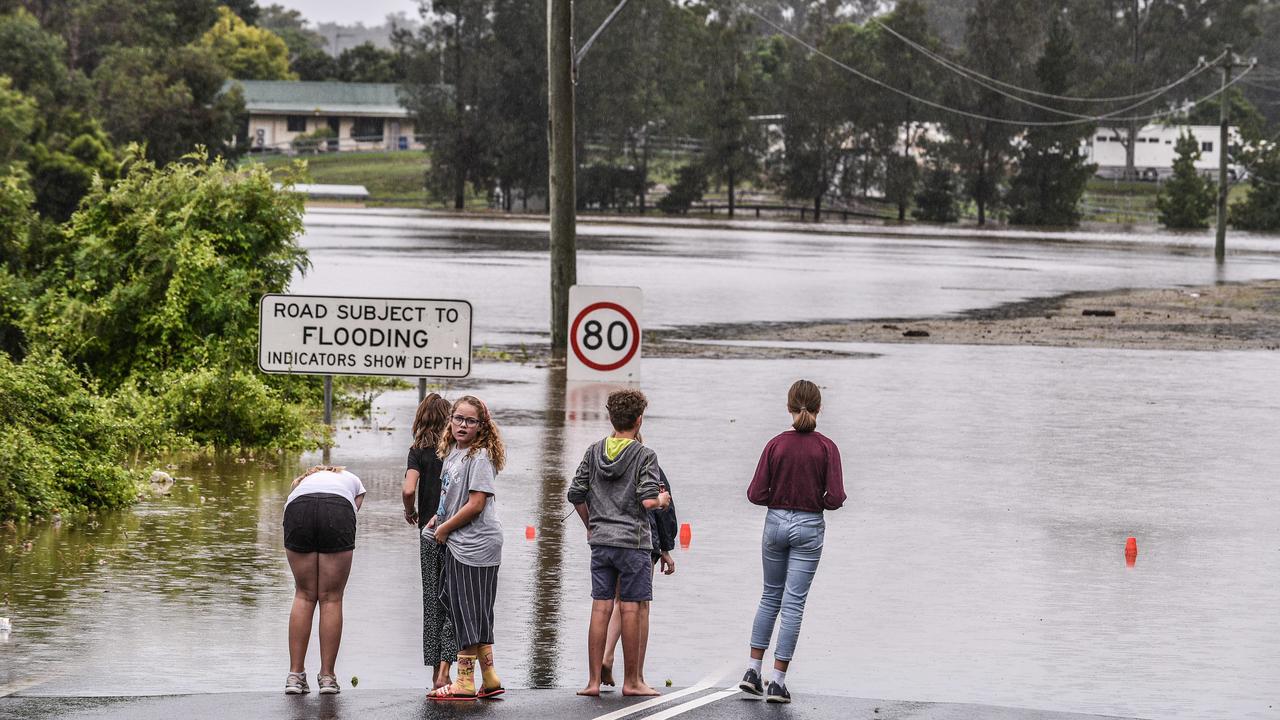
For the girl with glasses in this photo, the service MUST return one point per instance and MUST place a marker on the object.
(421, 495)
(466, 524)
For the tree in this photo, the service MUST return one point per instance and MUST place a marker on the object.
(168, 267)
(520, 144)
(1187, 200)
(91, 29)
(307, 58)
(368, 63)
(171, 100)
(818, 138)
(17, 122)
(936, 200)
(634, 87)
(902, 175)
(1131, 46)
(899, 122)
(247, 10)
(999, 38)
(729, 92)
(247, 52)
(1051, 174)
(455, 114)
(1260, 210)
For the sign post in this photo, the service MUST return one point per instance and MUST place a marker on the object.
(604, 333)
(398, 337)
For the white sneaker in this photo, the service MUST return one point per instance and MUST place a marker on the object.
(296, 684)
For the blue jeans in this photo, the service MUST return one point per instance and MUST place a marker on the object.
(791, 548)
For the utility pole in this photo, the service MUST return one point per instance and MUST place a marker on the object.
(561, 193)
(1224, 116)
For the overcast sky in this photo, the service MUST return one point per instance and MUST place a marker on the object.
(347, 12)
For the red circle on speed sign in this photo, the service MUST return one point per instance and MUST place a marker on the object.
(634, 340)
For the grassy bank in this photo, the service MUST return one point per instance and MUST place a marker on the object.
(395, 179)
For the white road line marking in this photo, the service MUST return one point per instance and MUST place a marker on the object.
(686, 707)
(712, 678)
(655, 702)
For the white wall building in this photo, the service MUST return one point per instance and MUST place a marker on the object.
(1154, 152)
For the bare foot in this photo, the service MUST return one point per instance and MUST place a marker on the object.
(641, 689)
(606, 675)
(590, 690)
(439, 684)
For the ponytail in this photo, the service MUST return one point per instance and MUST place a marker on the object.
(805, 400)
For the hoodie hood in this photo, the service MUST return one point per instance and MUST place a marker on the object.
(619, 467)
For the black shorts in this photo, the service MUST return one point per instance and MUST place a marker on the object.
(621, 572)
(320, 522)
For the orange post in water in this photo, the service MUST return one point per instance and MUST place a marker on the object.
(1131, 551)
(686, 535)
(529, 532)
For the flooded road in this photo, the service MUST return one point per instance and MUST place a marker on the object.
(980, 557)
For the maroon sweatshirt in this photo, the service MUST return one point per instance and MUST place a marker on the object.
(799, 471)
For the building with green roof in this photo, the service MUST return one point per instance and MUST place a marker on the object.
(362, 116)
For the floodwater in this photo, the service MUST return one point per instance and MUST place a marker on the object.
(980, 557)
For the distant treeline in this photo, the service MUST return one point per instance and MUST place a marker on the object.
(928, 106)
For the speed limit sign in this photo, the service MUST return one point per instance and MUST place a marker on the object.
(604, 333)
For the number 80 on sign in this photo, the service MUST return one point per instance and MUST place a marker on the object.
(604, 335)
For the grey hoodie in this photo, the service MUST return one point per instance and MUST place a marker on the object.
(613, 491)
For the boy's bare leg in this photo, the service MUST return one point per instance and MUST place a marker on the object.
(611, 643)
(632, 683)
(644, 639)
(599, 628)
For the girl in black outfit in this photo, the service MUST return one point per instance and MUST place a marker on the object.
(422, 480)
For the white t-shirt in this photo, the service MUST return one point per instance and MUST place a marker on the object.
(344, 483)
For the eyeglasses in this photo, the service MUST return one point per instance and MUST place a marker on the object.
(465, 421)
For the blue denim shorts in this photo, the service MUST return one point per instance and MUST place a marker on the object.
(628, 571)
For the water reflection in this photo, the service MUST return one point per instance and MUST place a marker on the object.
(547, 617)
(203, 543)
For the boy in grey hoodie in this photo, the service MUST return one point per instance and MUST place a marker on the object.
(614, 488)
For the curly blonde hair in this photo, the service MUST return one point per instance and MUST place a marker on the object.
(487, 435)
(315, 469)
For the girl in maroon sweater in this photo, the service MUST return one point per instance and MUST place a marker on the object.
(798, 477)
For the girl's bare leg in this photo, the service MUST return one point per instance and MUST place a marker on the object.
(306, 573)
(335, 568)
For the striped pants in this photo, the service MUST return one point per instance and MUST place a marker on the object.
(469, 593)
(439, 642)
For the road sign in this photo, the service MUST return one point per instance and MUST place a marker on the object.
(402, 337)
(604, 333)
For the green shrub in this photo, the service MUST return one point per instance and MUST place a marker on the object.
(1186, 201)
(166, 269)
(227, 408)
(689, 187)
(1260, 210)
(62, 448)
(936, 200)
(314, 141)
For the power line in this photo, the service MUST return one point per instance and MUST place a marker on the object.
(973, 75)
(977, 116)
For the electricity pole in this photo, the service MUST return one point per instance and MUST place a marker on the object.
(1224, 116)
(561, 194)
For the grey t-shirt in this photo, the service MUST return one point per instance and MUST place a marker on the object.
(479, 542)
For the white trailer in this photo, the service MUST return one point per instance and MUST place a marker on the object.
(1154, 152)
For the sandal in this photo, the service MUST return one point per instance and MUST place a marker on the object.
(449, 692)
(490, 692)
